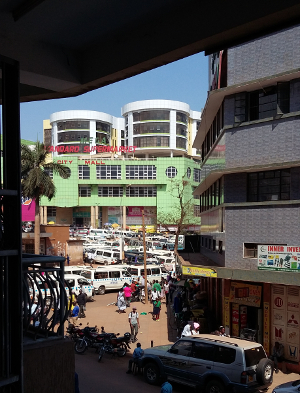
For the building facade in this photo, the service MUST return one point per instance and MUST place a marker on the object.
(121, 166)
(250, 184)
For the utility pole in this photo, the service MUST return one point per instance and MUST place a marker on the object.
(145, 258)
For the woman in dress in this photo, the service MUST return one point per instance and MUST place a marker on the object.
(121, 302)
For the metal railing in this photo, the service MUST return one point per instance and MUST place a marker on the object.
(46, 302)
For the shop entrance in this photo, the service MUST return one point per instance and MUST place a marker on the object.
(246, 322)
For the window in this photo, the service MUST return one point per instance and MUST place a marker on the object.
(110, 191)
(196, 210)
(83, 172)
(151, 128)
(140, 172)
(203, 351)
(100, 126)
(84, 191)
(220, 247)
(224, 355)
(108, 171)
(51, 211)
(73, 125)
(136, 191)
(269, 186)
(49, 172)
(188, 173)
(250, 250)
(183, 348)
(114, 274)
(171, 172)
(155, 271)
(180, 143)
(151, 115)
(181, 130)
(197, 173)
(181, 117)
(152, 141)
(254, 355)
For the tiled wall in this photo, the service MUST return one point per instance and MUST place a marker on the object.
(265, 56)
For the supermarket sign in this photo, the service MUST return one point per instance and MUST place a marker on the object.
(279, 258)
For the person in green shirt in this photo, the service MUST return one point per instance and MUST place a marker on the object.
(156, 309)
(157, 286)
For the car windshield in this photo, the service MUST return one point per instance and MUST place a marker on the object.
(296, 383)
(254, 355)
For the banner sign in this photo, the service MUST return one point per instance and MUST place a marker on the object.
(28, 209)
(198, 271)
(283, 258)
(246, 294)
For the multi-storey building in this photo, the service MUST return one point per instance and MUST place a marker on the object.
(250, 186)
(121, 165)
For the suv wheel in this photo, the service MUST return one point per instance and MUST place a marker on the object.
(101, 290)
(151, 373)
(214, 386)
(264, 371)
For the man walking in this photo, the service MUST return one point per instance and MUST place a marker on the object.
(134, 323)
(81, 301)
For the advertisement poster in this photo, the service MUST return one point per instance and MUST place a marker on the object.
(28, 209)
(235, 317)
(243, 317)
(198, 271)
(266, 327)
(246, 294)
(279, 258)
(226, 312)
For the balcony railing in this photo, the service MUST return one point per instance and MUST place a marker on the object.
(46, 301)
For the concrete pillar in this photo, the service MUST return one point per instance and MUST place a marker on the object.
(124, 217)
(97, 216)
(104, 214)
(93, 221)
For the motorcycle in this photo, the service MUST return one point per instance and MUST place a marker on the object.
(114, 344)
(90, 338)
(74, 332)
(138, 295)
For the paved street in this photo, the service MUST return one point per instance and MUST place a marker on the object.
(109, 375)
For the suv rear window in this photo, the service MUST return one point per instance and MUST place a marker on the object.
(254, 355)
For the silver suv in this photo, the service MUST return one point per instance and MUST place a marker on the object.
(212, 363)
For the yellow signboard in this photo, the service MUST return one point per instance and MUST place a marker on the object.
(246, 294)
(198, 271)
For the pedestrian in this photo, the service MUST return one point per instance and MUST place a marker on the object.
(156, 309)
(157, 286)
(68, 260)
(154, 295)
(81, 300)
(75, 313)
(137, 354)
(167, 288)
(277, 355)
(166, 387)
(222, 331)
(90, 258)
(134, 323)
(121, 303)
(127, 293)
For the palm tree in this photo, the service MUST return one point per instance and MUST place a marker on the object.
(36, 181)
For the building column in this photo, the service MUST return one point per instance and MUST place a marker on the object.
(104, 215)
(96, 216)
(93, 218)
(45, 215)
(124, 217)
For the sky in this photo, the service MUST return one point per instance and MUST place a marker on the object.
(185, 80)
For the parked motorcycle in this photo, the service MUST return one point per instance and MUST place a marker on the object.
(90, 338)
(136, 296)
(114, 344)
(74, 332)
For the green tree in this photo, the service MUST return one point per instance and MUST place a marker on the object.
(36, 181)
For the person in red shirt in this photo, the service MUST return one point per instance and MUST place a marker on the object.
(133, 286)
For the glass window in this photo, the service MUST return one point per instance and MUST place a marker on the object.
(197, 173)
(51, 211)
(180, 143)
(151, 141)
(83, 172)
(68, 170)
(171, 172)
(181, 130)
(254, 355)
(151, 115)
(224, 355)
(110, 191)
(84, 191)
(137, 191)
(108, 171)
(114, 274)
(81, 281)
(104, 127)
(203, 351)
(269, 186)
(155, 271)
(140, 172)
(183, 348)
(181, 117)
(188, 173)
(197, 210)
(151, 128)
(73, 125)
